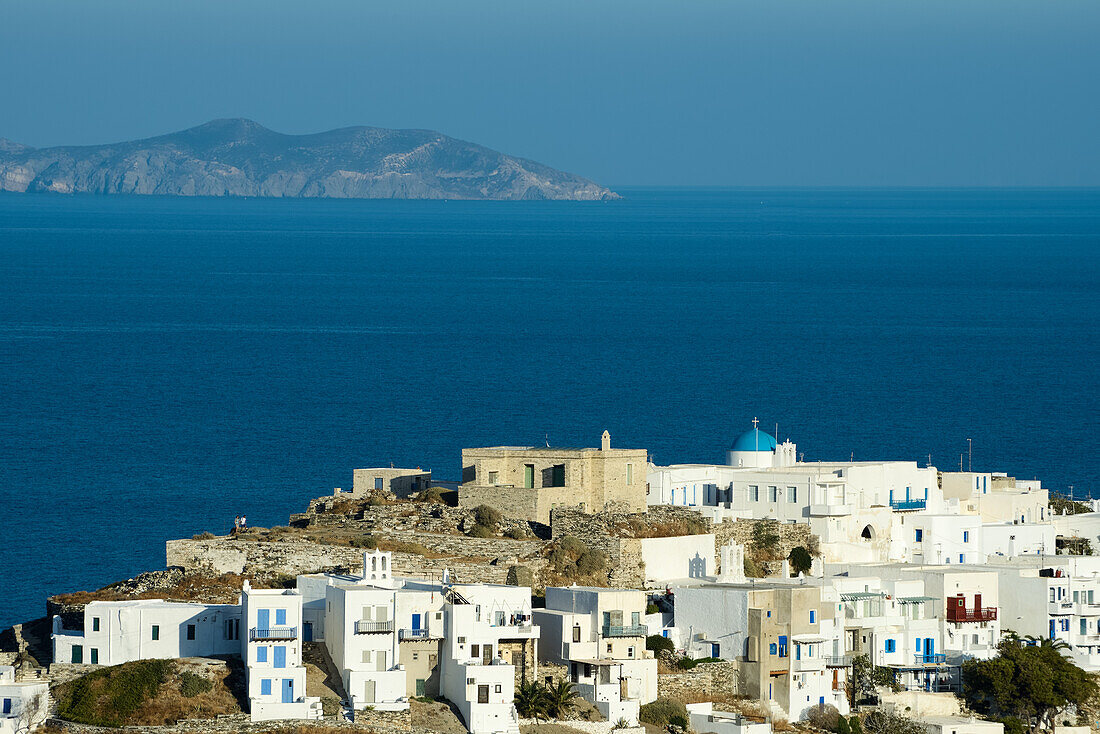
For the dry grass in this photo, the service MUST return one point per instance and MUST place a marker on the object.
(222, 589)
(639, 528)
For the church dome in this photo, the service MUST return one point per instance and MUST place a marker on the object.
(754, 440)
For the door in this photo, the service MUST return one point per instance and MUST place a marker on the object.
(263, 619)
(78, 653)
(416, 625)
(930, 648)
(487, 655)
(368, 692)
(715, 650)
(280, 656)
(420, 686)
(483, 694)
(529, 476)
(288, 690)
(380, 660)
(307, 631)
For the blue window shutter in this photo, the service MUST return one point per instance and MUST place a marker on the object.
(280, 617)
(265, 687)
(261, 654)
(918, 644)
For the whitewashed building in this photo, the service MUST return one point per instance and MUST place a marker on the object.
(600, 636)
(24, 705)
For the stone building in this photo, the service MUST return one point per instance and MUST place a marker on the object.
(403, 483)
(527, 482)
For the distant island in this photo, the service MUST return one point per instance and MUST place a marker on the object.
(239, 157)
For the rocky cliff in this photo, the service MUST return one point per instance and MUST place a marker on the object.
(242, 158)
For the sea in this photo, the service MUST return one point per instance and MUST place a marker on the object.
(169, 363)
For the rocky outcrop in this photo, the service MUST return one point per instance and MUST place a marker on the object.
(242, 158)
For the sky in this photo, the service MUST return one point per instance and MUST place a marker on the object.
(626, 92)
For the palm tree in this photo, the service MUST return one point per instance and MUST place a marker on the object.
(1054, 644)
(559, 698)
(530, 700)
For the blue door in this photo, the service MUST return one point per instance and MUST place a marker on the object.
(1052, 629)
(263, 619)
(280, 657)
(288, 690)
(416, 621)
(930, 649)
(307, 631)
(715, 650)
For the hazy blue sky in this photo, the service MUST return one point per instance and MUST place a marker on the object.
(742, 92)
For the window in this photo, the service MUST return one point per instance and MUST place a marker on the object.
(156, 631)
(754, 493)
(94, 659)
(918, 644)
(771, 648)
(557, 475)
(265, 687)
(470, 681)
(190, 631)
(95, 624)
(497, 689)
(280, 617)
(918, 535)
(966, 536)
(773, 494)
(630, 474)
(609, 647)
(494, 477)
(891, 645)
(475, 651)
(782, 646)
(630, 650)
(1052, 595)
(792, 494)
(378, 483)
(7, 706)
(1084, 627)
(962, 558)
(483, 694)
(261, 654)
(280, 656)
(813, 616)
(636, 618)
(576, 633)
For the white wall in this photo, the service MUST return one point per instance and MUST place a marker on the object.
(674, 559)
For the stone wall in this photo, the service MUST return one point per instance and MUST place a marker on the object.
(740, 532)
(224, 555)
(718, 680)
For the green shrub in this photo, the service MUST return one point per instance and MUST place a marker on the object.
(558, 558)
(515, 533)
(330, 706)
(680, 721)
(192, 685)
(109, 696)
(842, 726)
(800, 560)
(685, 663)
(592, 562)
(657, 643)
(487, 516)
(572, 545)
(662, 711)
(431, 494)
(367, 541)
(753, 568)
(651, 609)
(480, 531)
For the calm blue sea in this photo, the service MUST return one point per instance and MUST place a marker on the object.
(168, 363)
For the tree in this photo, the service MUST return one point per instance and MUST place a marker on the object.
(530, 700)
(800, 559)
(880, 722)
(1029, 680)
(31, 712)
(560, 698)
(865, 678)
(765, 538)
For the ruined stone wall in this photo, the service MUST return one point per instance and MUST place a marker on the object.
(719, 680)
(520, 503)
(740, 532)
(220, 556)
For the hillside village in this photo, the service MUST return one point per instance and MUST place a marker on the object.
(556, 591)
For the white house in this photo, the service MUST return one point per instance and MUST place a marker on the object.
(599, 634)
(24, 705)
(960, 725)
(490, 642)
(272, 653)
(117, 632)
(705, 718)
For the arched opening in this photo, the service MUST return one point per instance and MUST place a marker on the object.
(868, 533)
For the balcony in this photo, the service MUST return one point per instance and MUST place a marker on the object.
(930, 659)
(908, 505)
(807, 664)
(410, 634)
(369, 627)
(838, 661)
(273, 633)
(630, 630)
(980, 614)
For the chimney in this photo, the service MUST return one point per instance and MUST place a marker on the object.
(605, 441)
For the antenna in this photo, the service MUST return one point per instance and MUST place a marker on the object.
(547, 438)
(970, 454)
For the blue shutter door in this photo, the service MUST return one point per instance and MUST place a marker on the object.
(280, 656)
(288, 690)
(416, 621)
(263, 619)
(308, 631)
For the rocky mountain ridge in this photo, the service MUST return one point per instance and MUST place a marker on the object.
(239, 157)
